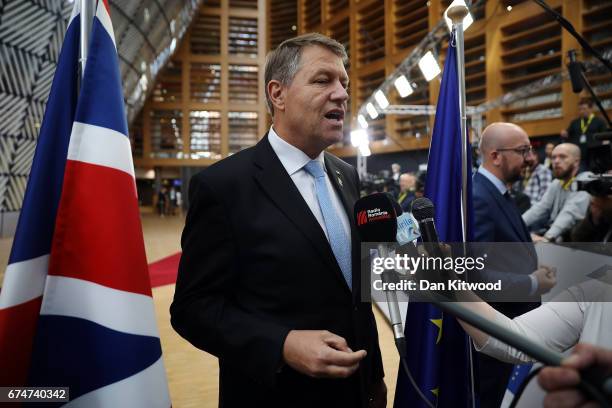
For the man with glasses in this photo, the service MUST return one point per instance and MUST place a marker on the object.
(504, 148)
(561, 206)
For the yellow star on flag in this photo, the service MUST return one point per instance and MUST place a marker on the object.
(438, 323)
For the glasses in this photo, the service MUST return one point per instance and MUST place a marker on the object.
(524, 151)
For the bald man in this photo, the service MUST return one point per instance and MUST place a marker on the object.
(561, 207)
(504, 148)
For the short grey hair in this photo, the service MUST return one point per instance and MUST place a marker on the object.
(284, 62)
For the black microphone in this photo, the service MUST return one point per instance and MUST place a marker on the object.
(574, 68)
(376, 220)
(423, 212)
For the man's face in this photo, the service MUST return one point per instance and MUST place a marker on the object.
(549, 148)
(513, 162)
(406, 182)
(316, 99)
(564, 163)
(584, 110)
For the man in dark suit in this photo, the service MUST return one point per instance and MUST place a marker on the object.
(504, 147)
(269, 277)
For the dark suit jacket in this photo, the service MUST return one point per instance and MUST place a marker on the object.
(255, 265)
(496, 219)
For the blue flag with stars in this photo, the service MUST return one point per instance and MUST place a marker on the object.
(437, 347)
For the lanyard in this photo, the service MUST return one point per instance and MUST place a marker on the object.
(584, 128)
(567, 184)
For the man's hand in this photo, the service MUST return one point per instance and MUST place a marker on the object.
(546, 277)
(320, 354)
(561, 382)
(539, 238)
(378, 399)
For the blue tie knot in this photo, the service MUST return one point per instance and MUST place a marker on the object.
(315, 169)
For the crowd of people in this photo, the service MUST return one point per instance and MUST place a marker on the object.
(543, 189)
(168, 201)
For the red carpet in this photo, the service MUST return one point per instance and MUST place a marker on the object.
(163, 272)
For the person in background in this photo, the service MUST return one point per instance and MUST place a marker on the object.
(162, 201)
(521, 199)
(396, 172)
(597, 224)
(407, 185)
(505, 147)
(561, 206)
(548, 149)
(580, 131)
(537, 178)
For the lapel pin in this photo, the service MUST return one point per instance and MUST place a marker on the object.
(339, 179)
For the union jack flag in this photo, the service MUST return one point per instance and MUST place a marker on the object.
(76, 308)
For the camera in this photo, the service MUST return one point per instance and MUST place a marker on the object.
(596, 185)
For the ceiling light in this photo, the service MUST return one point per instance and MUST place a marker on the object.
(381, 99)
(359, 137)
(429, 66)
(371, 110)
(403, 86)
(362, 121)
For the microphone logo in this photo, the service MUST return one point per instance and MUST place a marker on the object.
(362, 218)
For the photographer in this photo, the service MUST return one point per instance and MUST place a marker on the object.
(597, 225)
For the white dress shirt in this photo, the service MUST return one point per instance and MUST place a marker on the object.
(294, 160)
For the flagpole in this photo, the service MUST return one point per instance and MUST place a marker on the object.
(86, 19)
(457, 13)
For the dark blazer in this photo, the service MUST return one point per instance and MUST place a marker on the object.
(497, 219)
(255, 265)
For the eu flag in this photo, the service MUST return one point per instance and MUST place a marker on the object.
(437, 347)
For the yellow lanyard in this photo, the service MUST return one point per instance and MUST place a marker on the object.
(584, 128)
(568, 183)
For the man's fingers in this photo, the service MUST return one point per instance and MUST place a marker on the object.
(343, 358)
(585, 355)
(564, 399)
(555, 378)
(337, 342)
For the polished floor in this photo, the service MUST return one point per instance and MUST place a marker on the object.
(192, 373)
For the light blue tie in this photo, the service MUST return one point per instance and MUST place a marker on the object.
(338, 238)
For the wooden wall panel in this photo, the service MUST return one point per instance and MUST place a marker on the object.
(504, 50)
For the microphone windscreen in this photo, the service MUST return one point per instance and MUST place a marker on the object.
(575, 75)
(422, 209)
(375, 218)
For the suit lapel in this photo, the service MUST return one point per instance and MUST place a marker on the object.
(278, 186)
(341, 186)
(505, 207)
